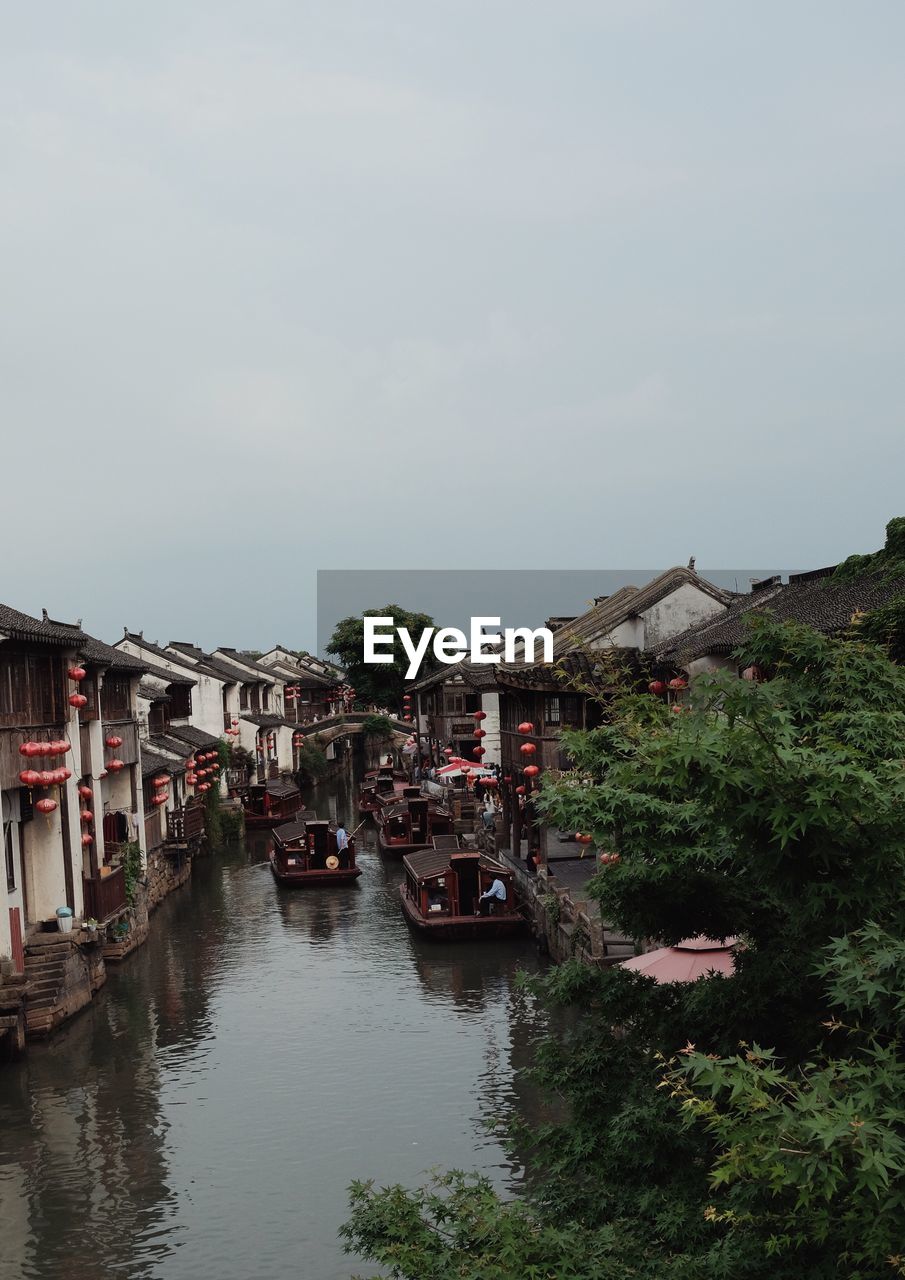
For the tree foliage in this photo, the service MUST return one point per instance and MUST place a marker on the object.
(768, 811)
(383, 683)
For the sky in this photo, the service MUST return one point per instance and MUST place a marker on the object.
(578, 284)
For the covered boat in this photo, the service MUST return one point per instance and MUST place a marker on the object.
(442, 888)
(271, 804)
(305, 853)
(411, 823)
(378, 784)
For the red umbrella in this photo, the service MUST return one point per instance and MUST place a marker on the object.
(692, 958)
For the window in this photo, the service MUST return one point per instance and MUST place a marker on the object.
(32, 690)
(265, 698)
(115, 697)
(180, 701)
(10, 859)
(454, 704)
(551, 710)
(243, 697)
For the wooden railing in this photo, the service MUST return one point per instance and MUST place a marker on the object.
(105, 895)
(153, 832)
(185, 824)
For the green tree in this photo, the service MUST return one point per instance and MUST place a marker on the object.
(769, 811)
(382, 683)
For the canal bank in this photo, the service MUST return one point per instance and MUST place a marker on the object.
(205, 1114)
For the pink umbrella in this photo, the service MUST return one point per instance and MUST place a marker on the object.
(690, 959)
(454, 768)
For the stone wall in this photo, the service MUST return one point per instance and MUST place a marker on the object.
(166, 872)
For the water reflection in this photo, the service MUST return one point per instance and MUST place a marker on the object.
(206, 1114)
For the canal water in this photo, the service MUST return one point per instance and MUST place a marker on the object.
(206, 1114)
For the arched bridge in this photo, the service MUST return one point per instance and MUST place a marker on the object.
(351, 722)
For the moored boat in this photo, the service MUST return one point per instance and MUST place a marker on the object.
(305, 853)
(376, 785)
(411, 823)
(442, 889)
(271, 804)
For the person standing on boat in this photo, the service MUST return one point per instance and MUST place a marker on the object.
(342, 837)
(487, 903)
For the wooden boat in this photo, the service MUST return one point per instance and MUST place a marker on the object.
(376, 785)
(304, 854)
(271, 804)
(441, 890)
(411, 824)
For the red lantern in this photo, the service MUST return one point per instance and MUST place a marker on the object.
(78, 700)
(29, 778)
(527, 748)
(519, 791)
(46, 806)
(161, 780)
(406, 697)
(159, 799)
(191, 779)
(531, 771)
(507, 778)
(205, 786)
(466, 770)
(526, 727)
(85, 792)
(86, 816)
(480, 715)
(478, 751)
(489, 782)
(479, 733)
(235, 722)
(31, 749)
(62, 775)
(113, 741)
(114, 766)
(678, 683)
(408, 719)
(76, 673)
(583, 838)
(45, 778)
(657, 688)
(87, 840)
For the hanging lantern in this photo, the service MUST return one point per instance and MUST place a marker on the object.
(113, 741)
(159, 798)
(114, 766)
(582, 838)
(235, 722)
(191, 779)
(678, 683)
(527, 748)
(45, 778)
(407, 719)
(479, 733)
(29, 777)
(466, 769)
(657, 688)
(406, 697)
(76, 673)
(478, 751)
(519, 791)
(62, 775)
(526, 727)
(507, 778)
(85, 792)
(31, 749)
(86, 817)
(489, 782)
(87, 840)
(46, 806)
(479, 715)
(161, 780)
(531, 771)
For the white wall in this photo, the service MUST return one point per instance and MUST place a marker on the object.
(675, 613)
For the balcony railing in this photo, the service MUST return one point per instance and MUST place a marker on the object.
(105, 895)
(185, 825)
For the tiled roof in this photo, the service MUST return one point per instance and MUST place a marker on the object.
(627, 603)
(21, 626)
(152, 762)
(209, 663)
(166, 742)
(151, 693)
(265, 720)
(104, 655)
(194, 737)
(817, 599)
(236, 656)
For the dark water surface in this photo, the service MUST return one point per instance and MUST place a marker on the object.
(204, 1117)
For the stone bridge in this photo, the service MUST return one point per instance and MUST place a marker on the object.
(343, 726)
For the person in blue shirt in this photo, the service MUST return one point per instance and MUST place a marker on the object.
(493, 899)
(342, 837)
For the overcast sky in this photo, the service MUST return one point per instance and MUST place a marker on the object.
(311, 285)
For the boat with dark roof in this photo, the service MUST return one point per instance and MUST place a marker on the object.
(411, 823)
(377, 784)
(271, 804)
(442, 888)
(305, 854)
